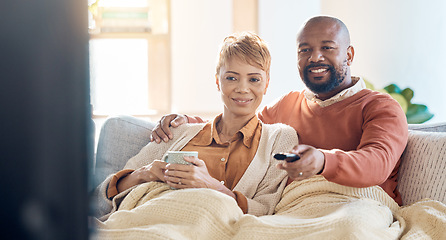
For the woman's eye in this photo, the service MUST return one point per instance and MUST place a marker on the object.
(230, 78)
(254, 80)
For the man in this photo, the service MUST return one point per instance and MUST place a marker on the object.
(349, 134)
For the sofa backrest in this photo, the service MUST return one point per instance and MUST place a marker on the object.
(428, 127)
(121, 138)
(422, 172)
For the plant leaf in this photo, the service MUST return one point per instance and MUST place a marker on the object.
(418, 113)
(408, 94)
(382, 91)
(401, 100)
(392, 88)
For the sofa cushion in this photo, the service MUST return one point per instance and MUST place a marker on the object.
(422, 172)
(121, 138)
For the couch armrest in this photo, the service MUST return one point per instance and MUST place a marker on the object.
(422, 172)
(121, 138)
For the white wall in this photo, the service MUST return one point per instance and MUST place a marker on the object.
(279, 22)
(198, 28)
(396, 41)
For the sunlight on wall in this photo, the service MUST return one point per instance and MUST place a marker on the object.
(119, 75)
(279, 22)
(198, 28)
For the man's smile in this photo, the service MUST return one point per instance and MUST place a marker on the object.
(318, 70)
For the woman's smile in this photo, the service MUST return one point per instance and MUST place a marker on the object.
(242, 87)
(242, 101)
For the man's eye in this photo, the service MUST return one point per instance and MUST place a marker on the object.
(327, 48)
(304, 50)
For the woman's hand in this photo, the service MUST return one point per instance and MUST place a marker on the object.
(151, 172)
(195, 175)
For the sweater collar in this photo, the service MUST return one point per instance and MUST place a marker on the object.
(346, 93)
(247, 132)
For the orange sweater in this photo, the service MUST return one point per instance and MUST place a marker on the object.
(362, 136)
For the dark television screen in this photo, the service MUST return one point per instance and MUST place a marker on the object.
(45, 121)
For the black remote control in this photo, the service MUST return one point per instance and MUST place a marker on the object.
(289, 157)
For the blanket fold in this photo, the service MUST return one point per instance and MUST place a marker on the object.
(310, 209)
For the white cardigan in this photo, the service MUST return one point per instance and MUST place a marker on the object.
(262, 183)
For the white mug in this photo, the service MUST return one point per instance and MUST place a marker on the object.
(178, 156)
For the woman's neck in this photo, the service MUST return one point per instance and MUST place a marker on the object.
(229, 125)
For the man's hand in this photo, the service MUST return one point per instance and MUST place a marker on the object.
(162, 132)
(311, 162)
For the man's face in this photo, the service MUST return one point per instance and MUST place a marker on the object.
(323, 58)
(336, 76)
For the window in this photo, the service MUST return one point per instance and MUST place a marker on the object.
(119, 73)
(129, 57)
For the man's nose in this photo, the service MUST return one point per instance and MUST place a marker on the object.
(316, 56)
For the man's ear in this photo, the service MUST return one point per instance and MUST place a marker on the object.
(217, 81)
(350, 55)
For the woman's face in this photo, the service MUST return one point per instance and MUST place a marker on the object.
(242, 87)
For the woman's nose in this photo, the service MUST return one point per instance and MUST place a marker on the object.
(242, 87)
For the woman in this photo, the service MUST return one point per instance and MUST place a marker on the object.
(235, 149)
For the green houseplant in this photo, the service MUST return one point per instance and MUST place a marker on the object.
(415, 113)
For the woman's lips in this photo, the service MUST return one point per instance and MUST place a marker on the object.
(242, 101)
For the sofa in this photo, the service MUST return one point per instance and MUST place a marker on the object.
(422, 170)
(309, 209)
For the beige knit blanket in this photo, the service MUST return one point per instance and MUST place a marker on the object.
(309, 209)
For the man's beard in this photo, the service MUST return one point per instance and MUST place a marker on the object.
(337, 76)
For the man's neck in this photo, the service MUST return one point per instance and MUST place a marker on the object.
(347, 83)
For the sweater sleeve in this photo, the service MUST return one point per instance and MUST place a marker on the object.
(262, 197)
(112, 188)
(383, 140)
(242, 202)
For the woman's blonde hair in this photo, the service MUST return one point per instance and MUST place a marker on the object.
(248, 47)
